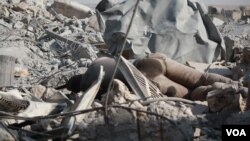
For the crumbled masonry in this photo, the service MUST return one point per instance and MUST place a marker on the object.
(57, 58)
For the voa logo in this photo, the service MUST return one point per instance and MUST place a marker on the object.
(236, 132)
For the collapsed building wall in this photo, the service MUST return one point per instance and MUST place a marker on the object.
(214, 10)
(245, 12)
(234, 15)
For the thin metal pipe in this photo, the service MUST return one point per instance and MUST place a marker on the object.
(118, 61)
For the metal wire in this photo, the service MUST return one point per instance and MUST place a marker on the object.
(118, 61)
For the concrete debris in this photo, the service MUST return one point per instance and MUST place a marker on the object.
(72, 9)
(14, 1)
(38, 91)
(54, 96)
(120, 94)
(197, 133)
(78, 50)
(230, 45)
(248, 21)
(223, 97)
(217, 22)
(55, 70)
(6, 134)
(18, 25)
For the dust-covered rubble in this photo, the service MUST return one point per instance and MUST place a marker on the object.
(50, 48)
(23, 36)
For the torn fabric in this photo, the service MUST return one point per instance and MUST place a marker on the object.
(181, 29)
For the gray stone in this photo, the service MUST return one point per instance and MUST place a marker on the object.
(248, 21)
(18, 25)
(217, 22)
(14, 1)
(84, 62)
(29, 34)
(55, 61)
(121, 116)
(45, 46)
(15, 49)
(21, 6)
(30, 28)
(4, 25)
(5, 12)
(38, 91)
(16, 16)
(230, 43)
(200, 108)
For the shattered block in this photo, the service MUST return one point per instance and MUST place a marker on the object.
(38, 90)
(72, 8)
(223, 98)
(230, 43)
(83, 51)
(14, 1)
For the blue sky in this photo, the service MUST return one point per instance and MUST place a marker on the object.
(227, 2)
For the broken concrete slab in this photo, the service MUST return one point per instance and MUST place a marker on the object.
(224, 98)
(18, 25)
(38, 91)
(72, 8)
(17, 50)
(217, 22)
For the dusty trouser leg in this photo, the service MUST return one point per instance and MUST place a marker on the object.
(204, 86)
(178, 77)
(185, 75)
(210, 78)
(169, 87)
(178, 72)
(154, 71)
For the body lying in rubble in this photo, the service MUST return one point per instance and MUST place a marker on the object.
(172, 78)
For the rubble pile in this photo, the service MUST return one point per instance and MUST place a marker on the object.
(26, 31)
(236, 36)
(50, 48)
